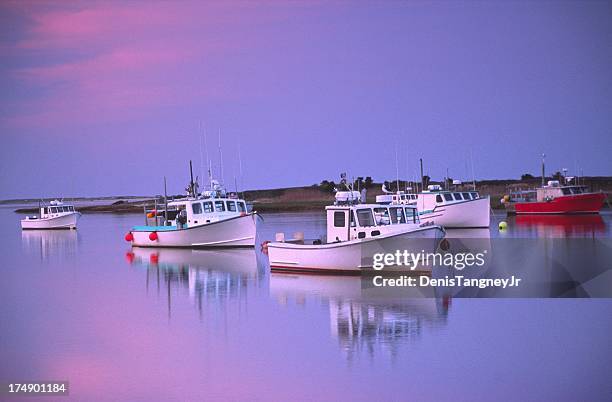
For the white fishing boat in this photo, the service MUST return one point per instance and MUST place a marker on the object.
(355, 233)
(451, 209)
(213, 218)
(56, 215)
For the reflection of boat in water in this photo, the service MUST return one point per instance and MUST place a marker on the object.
(369, 319)
(208, 275)
(561, 225)
(238, 261)
(464, 241)
(50, 243)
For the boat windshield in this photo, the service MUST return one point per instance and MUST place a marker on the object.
(466, 196)
(241, 206)
(397, 215)
(231, 206)
(364, 217)
(448, 196)
(411, 215)
(382, 216)
(208, 206)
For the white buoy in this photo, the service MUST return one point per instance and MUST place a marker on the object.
(503, 225)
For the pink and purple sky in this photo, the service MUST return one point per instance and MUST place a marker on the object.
(105, 98)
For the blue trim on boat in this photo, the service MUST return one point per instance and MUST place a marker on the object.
(154, 228)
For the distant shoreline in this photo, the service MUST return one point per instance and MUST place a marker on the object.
(291, 199)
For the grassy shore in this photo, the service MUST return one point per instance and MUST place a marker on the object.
(295, 199)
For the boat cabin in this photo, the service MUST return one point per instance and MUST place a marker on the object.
(350, 222)
(434, 196)
(553, 189)
(398, 198)
(56, 209)
(192, 212)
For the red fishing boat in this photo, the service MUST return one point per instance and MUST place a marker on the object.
(556, 199)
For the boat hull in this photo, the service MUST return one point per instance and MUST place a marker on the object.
(570, 204)
(233, 232)
(68, 221)
(466, 214)
(351, 257)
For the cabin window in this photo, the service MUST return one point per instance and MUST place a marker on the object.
(53, 210)
(466, 196)
(411, 214)
(439, 198)
(458, 196)
(71, 208)
(566, 191)
(365, 217)
(208, 206)
(448, 197)
(382, 216)
(197, 208)
(241, 206)
(45, 210)
(219, 206)
(579, 190)
(231, 206)
(339, 219)
(66, 209)
(474, 195)
(397, 215)
(352, 218)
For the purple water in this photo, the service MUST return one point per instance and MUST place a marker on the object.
(206, 325)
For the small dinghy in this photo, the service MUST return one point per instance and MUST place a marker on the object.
(356, 232)
(56, 215)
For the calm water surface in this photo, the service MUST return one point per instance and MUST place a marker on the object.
(202, 325)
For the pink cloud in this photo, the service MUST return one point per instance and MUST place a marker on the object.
(113, 58)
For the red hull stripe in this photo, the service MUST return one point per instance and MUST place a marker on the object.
(581, 203)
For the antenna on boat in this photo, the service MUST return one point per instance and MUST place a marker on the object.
(165, 203)
(473, 177)
(201, 156)
(208, 163)
(396, 170)
(240, 168)
(543, 170)
(422, 182)
(191, 184)
(220, 158)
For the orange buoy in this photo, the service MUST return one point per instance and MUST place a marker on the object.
(153, 236)
(129, 237)
(154, 258)
(151, 215)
